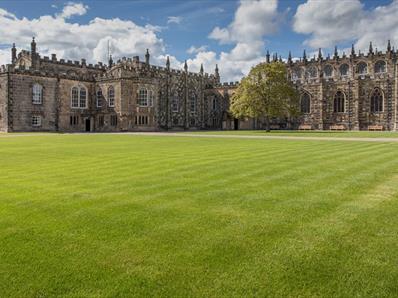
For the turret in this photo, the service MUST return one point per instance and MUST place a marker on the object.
(168, 63)
(389, 46)
(280, 58)
(33, 52)
(110, 61)
(267, 57)
(289, 59)
(217, 74)
(13, 54)
(352, 51)
(186, 66)
(370, 48)
(147, 56)
(320, 54)
(336, 54)
(33, 46)
(201, 68)
(304, 56)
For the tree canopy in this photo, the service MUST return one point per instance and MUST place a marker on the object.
(265, 92)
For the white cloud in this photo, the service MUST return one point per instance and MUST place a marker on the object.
(56, 34)
(174, 20)
(253, 20)
(195, 50)
(73, 9)
(329, 23)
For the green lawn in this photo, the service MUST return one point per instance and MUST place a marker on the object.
(124, 215)
(301, 133)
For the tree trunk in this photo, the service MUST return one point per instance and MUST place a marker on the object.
(267, 124)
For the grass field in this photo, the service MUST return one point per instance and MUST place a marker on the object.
(124, 215)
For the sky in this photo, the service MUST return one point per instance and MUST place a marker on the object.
(235, 34)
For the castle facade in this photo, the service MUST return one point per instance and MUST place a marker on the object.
(348, 92)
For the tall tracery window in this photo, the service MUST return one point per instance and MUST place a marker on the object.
(362, 68)
(296, 74)
(312, 72)
(111, 96)
(305, 103)
(376, 101)
(79, 97)
(344, 69)
(174, 103)
(143, 97)
(328, 71)
(380, 67)
(99, 98)
(192, 103)
(339, 102)
(37, 94)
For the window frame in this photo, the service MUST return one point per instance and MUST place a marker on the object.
(143, 97)
(366, 68)
(37, 94)
(111, 96)
(348, 70)
(77, 99)
(193, 104)
(384, 69)
(36, 121)
(99, 96)
(338, 106)
(373, 104)
(308, 96)
(331, 73)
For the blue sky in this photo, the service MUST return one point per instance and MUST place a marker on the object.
(234, 34)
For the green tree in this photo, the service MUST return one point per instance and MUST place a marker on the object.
(265, 93)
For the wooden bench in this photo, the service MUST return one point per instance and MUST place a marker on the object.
(305, 127)
(337, 127)
(375, 128)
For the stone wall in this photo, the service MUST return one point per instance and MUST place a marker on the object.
(3, 102)
(21, 107)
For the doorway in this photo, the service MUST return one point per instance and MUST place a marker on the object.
(236, 124)
(88, 125)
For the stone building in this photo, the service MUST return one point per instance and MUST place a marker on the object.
(46, 94)
(348, 92)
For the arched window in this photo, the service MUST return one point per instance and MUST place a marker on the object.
(111, 96)
(305, 103)
(192, 103)
(296, 74)
(79, 97)
(174, 103)
(99, 98)
(328, 71)
(83, 98)
(376, 101)
(339, 102)
(344, 69)
(75, 97)
(143, 97)
(312, 72)
(380, 67)
(37, 94)
(362, 68)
